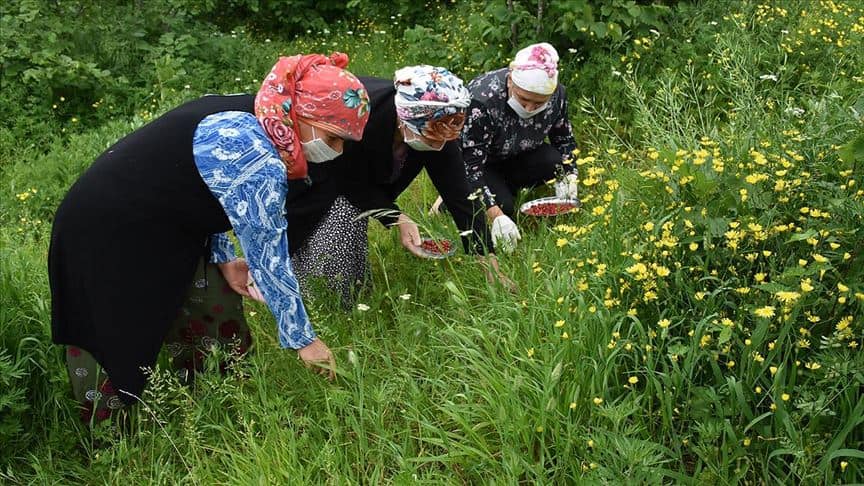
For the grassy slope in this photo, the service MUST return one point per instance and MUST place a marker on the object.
(462, 382)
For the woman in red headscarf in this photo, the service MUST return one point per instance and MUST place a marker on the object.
(178, 184)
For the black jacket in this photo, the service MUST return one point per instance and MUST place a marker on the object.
(367, 175)
(143, 193)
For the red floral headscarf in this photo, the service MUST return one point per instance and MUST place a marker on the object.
(317, 89)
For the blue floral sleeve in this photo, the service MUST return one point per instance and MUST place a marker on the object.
(221, 249)
(243, 170)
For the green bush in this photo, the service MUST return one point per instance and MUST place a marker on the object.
(699, 319)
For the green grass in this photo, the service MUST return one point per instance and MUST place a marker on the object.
(633, 352)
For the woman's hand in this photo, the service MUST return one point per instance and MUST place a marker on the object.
(236, 273)
(254, 291)
(494, 273)
(319, 356)
(409, 235)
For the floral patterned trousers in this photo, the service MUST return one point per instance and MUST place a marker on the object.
(211, 317)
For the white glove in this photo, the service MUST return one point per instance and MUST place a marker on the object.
(567, 187)
(505, 234)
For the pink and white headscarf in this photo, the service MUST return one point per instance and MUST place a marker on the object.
(320, 91)
(535, 69)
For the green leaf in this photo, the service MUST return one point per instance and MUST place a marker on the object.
(853, 152)
(810, 233)
(678, 349)
(858, 454)
(772, 287)
(725, 335)
(717, 226)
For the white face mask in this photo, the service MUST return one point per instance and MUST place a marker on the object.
(419, 145)
(317, 150)
(521, 111)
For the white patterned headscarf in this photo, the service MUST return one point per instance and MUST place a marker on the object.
(535, 69)
(426, 94)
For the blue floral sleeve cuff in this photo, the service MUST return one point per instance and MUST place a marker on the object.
(221, 249)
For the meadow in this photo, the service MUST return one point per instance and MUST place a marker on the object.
(700, 319)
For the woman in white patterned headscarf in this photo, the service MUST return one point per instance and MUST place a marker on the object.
(430, 102)
(414, 124)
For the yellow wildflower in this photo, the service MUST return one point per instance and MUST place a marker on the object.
(787, 297)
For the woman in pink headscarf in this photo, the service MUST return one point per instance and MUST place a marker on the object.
(513, 111)
(171, 190)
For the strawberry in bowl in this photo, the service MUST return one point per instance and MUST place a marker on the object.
(437, 248)
(549, 206)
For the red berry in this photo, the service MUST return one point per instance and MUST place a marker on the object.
(437, 247)
(549, 209)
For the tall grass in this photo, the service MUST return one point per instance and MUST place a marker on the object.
(640, 347)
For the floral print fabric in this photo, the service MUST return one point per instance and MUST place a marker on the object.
(317, 89)
(494, 132)
(425, 94)
(535, 68)
(211, 317)
(221, 248)
(243, 170)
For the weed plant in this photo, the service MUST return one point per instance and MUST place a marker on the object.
(699, 320)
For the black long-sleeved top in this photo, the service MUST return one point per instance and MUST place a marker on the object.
(494, 132)
(144, 192)
(373, 172)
